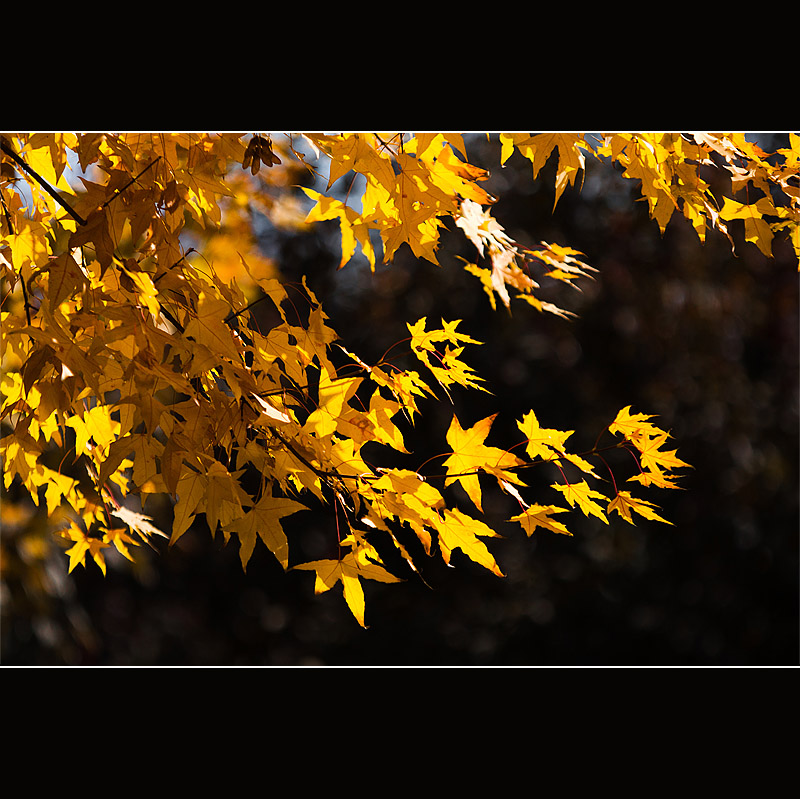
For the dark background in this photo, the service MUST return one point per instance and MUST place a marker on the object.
(705, 339)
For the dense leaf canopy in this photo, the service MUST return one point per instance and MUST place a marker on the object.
(151, 350)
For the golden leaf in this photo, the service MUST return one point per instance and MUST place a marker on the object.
(624, 503)
(263, 521)
(584, 496)
(458, 531)
(539, 516)
(361, 563)
(471, 455)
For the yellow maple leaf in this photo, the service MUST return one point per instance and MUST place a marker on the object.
(96, 424)
(655, 477)
(407, 497)
(210, 331)
(361, 563)
(471, 455)
(403, 195)
(405, 385)
(446, 366)
(656, 459)
(456, 178)
(542, 442)
(191, 499)
(633, 426)
(624, 503)
(584, 496)
(148, 294)
(458, 531)
(356, 151)
(263, 521)
(417, 207)
(756, 229)
(538, 149)
(84, 545)
(60, 489)
(411, 488)
(65, 278)
(427, 340)
(383, 428)
(352, 227)
(539, 516)
(120, 539)
(224, 497)
(333, 396)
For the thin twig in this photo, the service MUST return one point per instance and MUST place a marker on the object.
(44, 184)
(131, 182)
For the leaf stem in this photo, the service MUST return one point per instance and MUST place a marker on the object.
(613, 480)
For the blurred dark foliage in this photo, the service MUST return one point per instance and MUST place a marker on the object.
(705, 339)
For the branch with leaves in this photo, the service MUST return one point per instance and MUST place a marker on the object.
(133, 364)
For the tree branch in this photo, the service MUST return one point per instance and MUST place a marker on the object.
(44, 184)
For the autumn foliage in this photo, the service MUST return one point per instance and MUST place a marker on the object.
(134, 365)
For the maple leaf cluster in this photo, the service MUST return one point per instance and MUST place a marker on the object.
(669, 168)
(133, 365)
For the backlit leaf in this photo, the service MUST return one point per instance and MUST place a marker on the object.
(624, 504)
(582, 495)
(539, 516)
(471, 456)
